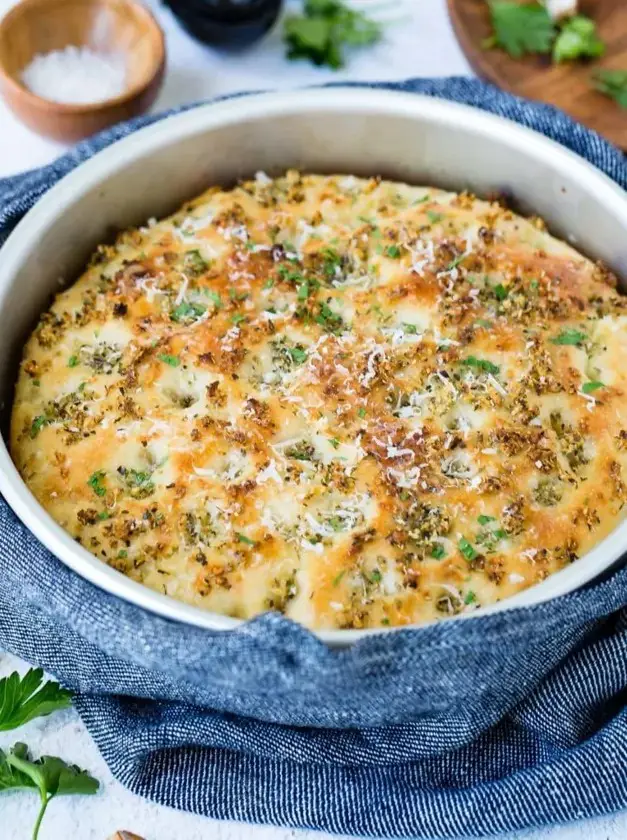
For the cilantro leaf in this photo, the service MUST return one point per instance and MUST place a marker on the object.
(612, 83)
(500, 291)
(25, 698)
(570, 337)
(324, 29)
(521, 29)
(49, 776)
(481, 364)
(577, 39)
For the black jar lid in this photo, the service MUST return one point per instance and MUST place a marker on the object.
(226, 23)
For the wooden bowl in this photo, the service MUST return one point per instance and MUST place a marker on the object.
(40, 26)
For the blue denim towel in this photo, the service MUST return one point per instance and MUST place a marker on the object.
(461, 729)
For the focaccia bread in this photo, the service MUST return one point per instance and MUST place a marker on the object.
(358, 402)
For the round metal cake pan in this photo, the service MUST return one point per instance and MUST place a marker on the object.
(404, 136)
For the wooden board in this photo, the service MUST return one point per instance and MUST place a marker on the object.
(566, 85)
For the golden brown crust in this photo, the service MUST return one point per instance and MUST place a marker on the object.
(357, 402)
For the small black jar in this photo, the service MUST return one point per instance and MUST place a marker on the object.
(231, 24)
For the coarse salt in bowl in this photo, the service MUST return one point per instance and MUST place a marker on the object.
(77, 75)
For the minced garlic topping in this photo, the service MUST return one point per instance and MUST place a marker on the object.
(356, 402)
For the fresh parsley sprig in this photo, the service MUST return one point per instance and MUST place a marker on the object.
(21, 700)
(49, 776)
(25, 698)
(325, 28)
(527, 28)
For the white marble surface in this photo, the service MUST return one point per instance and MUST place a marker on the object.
(420, 44)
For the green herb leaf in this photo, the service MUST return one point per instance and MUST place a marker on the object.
(327, 318)
(470, 597)
(578, 38)
(590, 387)
(338, 578)
(73, 361)
(25, 698)
(244, 539)
(484, 519)
(298, 354)
(95, 481)
(612, 83)
(454, 263)
(376, 576)
(467, 550)
(500, 292)
(438, 551)
(481, 364)
(194, 262)
(483, 322)
(49, 776)
(37, 425)
(324, 29)
(393, 251)
(334, 443)
(237, 318)
(188, 312)
(361, 412)
(569, 337)
(521, 28)
(167, 359)
(434, 217)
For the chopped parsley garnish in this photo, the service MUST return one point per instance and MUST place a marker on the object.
(122, 554)
(590, 387)
(139, 482)
(298, 354)
(269, 283)
(104, 515)
(385, 621)
(470, 597)
(244, 539)
(338, 578)
(454, 263)
(361, 412)
(520, 28)
(215, 297)
(438, 551)
(303, 290)
(167, 359)
(237, 318)
(484, 519)
(235, 295)
(327, 318)
(195, 262)
(73, 361)
(467, 549)
(500, 292)
(410, 329)
(37, 425)
(334, 442)
(95, 481)
(187, 312)
(336, 523)
(481, 364)
(376, 576)
(571, 337)
(434, 217)
(332, 261)
(393, 251)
